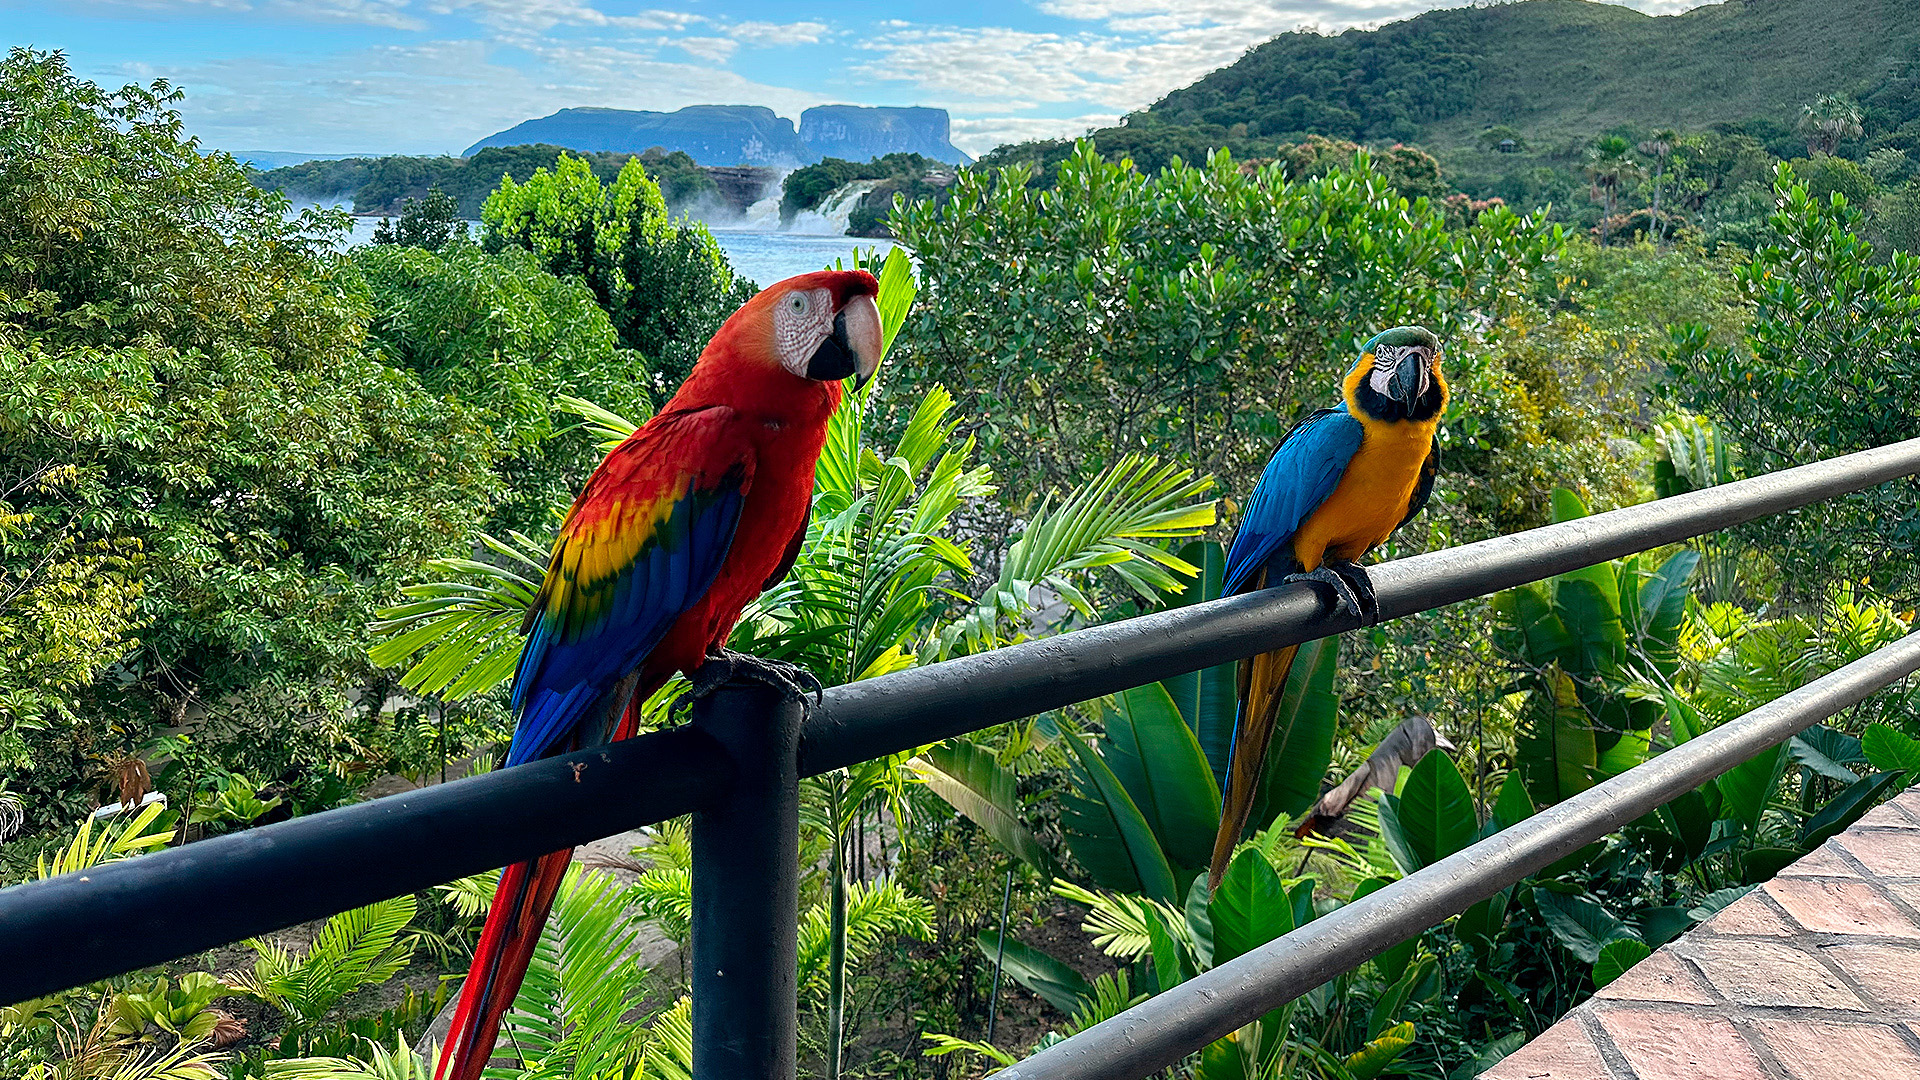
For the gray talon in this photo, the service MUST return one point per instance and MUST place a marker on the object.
(726, 665)
(1352, 591)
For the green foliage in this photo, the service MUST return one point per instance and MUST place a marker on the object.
(1580, 638)
(1827, 368)
(505, 338)
(430, 223)
(662, 279)
(187, 418)
(1195, 310)
(354, 949)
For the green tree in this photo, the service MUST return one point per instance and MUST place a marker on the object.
(430, 223)
(1196, 312)
(501, 335)
(1608, 167)
(1826, 368)
(204, 474)
(663, 280)
(1827, 121)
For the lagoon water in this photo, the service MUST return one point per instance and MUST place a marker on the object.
(760, 255)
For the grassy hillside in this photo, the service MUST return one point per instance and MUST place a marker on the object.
(1565, 69)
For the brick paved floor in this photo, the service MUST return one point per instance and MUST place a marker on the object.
(1813, 976)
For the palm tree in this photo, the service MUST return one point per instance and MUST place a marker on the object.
(1607, 166)
(1829, 120)
(1659, 148)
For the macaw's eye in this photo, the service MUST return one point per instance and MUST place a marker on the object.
(798, 303)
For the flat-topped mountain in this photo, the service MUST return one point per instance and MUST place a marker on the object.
(710, 134)
(743, 134)
(859, 133)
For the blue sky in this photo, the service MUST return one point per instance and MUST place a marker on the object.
(433, 76)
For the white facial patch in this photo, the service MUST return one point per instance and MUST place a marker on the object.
(1386, 361)
(801, 321)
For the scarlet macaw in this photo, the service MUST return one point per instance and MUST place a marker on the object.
(1340, 482)
(679, 528)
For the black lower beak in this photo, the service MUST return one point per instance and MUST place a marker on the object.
(834, 359)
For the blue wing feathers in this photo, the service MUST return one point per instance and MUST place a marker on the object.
(571, 660)
(1304, 470)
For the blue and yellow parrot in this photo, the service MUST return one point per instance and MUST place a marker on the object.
(1336, 487)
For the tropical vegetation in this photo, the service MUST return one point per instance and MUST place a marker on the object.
(271, 509)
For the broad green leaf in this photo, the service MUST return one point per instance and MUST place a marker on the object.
(1205, 698)
(897, 291)
(1435, 810)
(1663, 607)
(1889, 750)
(1615, 958)
(1659, 925)
(1106, 832)
(1513, 805)
(1303, 726)
(1747, 788)
(1250, 908)
(966, 775)
(1580, 924)
(1394, 835)
(1059, 985)
(1846, 808)
(1171, 963)
(1567, 506)
(1154, 755)
(1827, 752)
(1374, 1058)
(1716, 900)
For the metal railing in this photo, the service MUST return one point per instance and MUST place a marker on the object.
(737, 766)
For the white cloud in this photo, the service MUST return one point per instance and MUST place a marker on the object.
(766, 34)
(518, 18)
(391, 14)
(716, 49)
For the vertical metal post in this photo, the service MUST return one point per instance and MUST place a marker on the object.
(746, 891)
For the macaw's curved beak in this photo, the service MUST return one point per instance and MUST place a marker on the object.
(1409, 379)
(853, 349)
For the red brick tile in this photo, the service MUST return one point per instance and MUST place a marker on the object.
(1562, 1052)
(1885, 853)
(1812, 1050)
(1890, 974)
(1909, 801)
(1821, 862)
(1660, 977)
(1834, 906)
(1751, 916)
(1887, 816)
(1680, 1046)
(1768, 973)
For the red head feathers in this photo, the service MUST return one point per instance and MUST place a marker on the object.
(786, 350)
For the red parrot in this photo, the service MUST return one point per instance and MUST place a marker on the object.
(674, 534)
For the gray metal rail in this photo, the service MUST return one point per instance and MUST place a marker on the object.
(1165, 1028)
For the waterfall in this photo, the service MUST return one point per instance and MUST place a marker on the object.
(830, 218)
(764, 214)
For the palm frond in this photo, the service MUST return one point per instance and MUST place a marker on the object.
(612, 428)
(1119, 922)
(466, 631)
(876, 911)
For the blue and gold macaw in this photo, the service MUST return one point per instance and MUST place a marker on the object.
(1336, 487)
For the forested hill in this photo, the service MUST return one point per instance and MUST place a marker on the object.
(1558, 70)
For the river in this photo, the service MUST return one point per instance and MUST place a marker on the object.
(762, 256)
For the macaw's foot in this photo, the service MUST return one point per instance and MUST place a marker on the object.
(1352, 589)
(726, 665)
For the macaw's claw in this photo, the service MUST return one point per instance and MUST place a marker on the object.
(1352, 589)
(726, 666)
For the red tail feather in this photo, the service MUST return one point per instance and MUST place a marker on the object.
(520, 907)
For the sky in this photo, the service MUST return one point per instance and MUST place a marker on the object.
(434, 76)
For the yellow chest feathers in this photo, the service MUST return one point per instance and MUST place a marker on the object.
(1372, 496)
